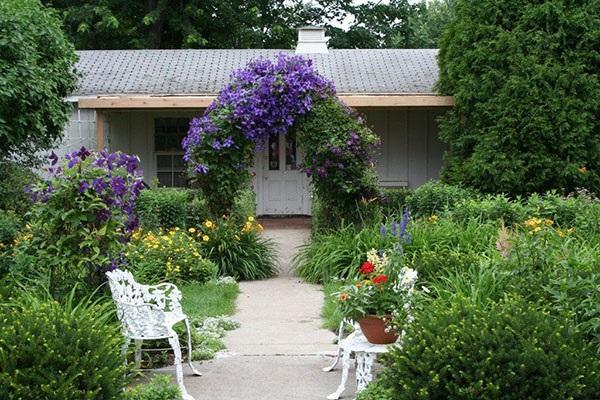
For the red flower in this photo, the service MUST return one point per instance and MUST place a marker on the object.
(366, 268)
(380, 279)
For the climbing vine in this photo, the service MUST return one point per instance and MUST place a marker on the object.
(268, 98)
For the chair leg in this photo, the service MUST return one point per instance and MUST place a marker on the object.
(335, 361)
(189, 338)
(174, 342)
(345, 367)
(138, 353)
(124, 348)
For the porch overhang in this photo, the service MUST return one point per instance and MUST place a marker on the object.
(156, 102)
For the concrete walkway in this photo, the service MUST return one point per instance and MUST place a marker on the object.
(280, 349)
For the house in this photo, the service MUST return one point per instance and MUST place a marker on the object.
(140, 102)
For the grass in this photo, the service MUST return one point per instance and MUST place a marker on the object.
(330, 313)
(208, 299)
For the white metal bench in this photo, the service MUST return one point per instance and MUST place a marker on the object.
(148, 313)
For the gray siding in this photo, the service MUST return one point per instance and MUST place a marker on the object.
(411, 152)
(133, 132)
(79, 131)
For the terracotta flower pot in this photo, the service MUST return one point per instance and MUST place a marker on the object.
(374, 329)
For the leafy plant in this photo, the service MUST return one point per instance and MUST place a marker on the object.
(50, 350)
(239, 252)
(10, 226)
(38, 73)
(14, 181)
(159, 387)
(80, 218)
(163, 207)
(394, 201)
(525, 83)
(506, 350)
(173, 255)
(435, 197)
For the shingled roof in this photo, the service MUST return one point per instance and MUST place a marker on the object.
(205, 72)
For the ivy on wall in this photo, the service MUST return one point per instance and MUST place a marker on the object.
(268, 98)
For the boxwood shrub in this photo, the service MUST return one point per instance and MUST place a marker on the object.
(508, 350)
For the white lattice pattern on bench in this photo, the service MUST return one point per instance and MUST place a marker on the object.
(149, 312)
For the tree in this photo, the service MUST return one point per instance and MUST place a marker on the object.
(524, 76)
(136, 24)
(428, 22)
(36, 74)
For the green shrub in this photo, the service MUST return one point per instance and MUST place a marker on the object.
(10, 225)
(559, 271)
(394, 200)
(65, 351)
(338, 254)
(434, 197)
(81, 217)
(440, 246)
(508, 350)
(174, 255)
(160, 387)
(38, 74)
(524, 76)
(163, 207)
(376, 390)
(239, 252)
(490, 208)
(14, 182)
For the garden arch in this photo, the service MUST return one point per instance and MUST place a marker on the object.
(268, 98)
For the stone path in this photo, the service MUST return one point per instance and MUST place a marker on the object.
(280, 349)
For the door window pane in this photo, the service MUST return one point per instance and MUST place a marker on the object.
(290, 151)
(274, 153)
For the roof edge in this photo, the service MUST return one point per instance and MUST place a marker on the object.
(203, 101)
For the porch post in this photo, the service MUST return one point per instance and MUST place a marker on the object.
(100, 130)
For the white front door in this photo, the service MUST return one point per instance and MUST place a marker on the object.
(281, 188)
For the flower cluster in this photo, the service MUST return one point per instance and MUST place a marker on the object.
(114, 177)
(265, 98)
(382, 288)
(535, 224)
(173, 254)
(398, 230)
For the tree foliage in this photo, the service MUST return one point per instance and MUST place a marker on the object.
(36, 74)
(524, 76)
(427, 24)
(126, 24)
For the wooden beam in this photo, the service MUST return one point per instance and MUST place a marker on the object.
(100, 130)
(194, 102)
(363, 101)
(148, 102)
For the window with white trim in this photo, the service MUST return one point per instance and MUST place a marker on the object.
(170, 167)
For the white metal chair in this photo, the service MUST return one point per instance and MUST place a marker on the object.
(148, 313)
(366, 354)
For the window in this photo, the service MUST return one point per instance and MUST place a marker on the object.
(170, 167)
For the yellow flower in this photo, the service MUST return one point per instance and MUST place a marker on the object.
(260, 227)
(208, 224)
(205, 238)
(237, 237)
(251, 219)
(192, 230)
(583, 170)
(344, 296)
(433, 218)
(176, 228)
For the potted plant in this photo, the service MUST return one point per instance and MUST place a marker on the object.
(378, 297)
